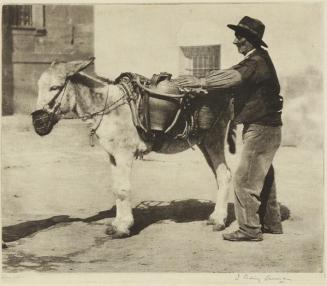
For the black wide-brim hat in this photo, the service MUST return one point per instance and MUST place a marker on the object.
(250, 28)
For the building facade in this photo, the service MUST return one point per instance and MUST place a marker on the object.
(33, 36)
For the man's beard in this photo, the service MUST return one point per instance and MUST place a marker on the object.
(243, 48)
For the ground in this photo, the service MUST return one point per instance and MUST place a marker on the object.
(56, 202)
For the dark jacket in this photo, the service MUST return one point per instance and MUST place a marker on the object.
(257, 98)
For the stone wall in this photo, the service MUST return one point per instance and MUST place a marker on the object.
(65, 34)
(7, 75)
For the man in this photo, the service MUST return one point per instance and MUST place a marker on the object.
(257, 105)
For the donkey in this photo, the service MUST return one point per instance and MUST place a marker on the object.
(64, 88)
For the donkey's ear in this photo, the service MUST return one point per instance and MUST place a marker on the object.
(77, 66)
(54, 63)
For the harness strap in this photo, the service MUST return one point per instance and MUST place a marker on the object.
(143, 94)
(133, 104)
(94, 129)
(53, 100)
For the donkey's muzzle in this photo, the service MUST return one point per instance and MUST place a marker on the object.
(43, 121)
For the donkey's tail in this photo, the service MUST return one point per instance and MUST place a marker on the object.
(231, 137)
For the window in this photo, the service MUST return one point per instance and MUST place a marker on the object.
(199, 60)
(27, 17)
(21, 16)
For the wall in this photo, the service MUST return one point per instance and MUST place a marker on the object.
(7, 73)
(146, 38)
(68, 35)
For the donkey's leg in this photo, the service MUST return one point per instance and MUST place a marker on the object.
(219, 215)
(121, 177)
(216, 159)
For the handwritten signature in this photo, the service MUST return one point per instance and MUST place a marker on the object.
(263, 278)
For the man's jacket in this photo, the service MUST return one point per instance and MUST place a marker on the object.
(256, 89)
(257, 98)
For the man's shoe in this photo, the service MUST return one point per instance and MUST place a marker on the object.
(240, 236)
(277, 230)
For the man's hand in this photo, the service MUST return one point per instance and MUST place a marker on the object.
(188, 81)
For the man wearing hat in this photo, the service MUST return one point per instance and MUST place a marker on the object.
(257, 105)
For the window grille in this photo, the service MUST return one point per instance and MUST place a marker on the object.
(199, 60)
(21, 16)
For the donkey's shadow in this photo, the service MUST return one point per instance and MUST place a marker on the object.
(145, 214)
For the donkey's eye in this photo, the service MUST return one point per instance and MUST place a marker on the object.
(55, 87)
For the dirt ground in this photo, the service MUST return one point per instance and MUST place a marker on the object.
(56, 201)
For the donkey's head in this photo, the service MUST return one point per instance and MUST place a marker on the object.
(55, 96)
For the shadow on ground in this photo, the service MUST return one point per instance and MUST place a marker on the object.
(145, 214)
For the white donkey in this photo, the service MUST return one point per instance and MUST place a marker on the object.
(63, 88)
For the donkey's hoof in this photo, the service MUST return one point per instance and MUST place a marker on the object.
(115, 233)
(120, 234)
(211, 221)
(218, 227)
(111, 230)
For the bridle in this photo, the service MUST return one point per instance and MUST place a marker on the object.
(52, 107)
(45, 118)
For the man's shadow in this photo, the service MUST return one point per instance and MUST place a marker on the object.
(145, 214)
